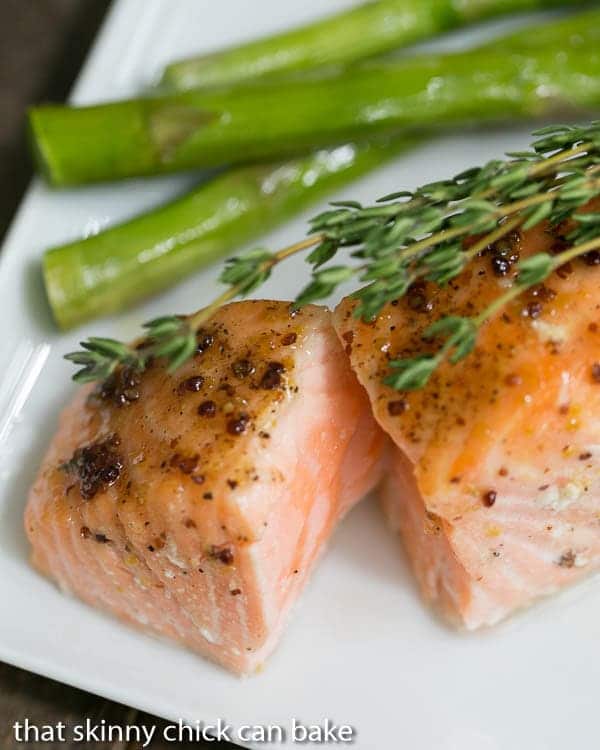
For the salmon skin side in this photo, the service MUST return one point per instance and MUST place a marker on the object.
(195, 505)
(495, 481)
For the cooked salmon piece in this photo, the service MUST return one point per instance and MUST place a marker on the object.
(495, 480)
(196, 504)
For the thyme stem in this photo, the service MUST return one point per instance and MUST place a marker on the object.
(198, 319)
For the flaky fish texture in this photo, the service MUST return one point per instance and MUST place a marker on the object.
(495, 481)
(195, 504)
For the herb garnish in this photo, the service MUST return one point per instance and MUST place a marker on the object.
(405, 237)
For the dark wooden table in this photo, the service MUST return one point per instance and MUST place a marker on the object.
(42, 46)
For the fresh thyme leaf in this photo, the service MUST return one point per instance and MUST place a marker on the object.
(535, 215)
(164, 325)
(185, 349)
(441, 271)
(247, 271)
(100, 357)
(395, 196)
(412, 374)
(589, 218)
(322, 253)
(324, 284)
(346, 204)
(534, 270)
(460, 334)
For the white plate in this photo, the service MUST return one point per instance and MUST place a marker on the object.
(360, 649)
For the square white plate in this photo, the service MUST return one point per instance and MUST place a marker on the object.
(360, 649)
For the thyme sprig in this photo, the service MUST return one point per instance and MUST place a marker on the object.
(175, 337)
(404, 237)
(172, 337)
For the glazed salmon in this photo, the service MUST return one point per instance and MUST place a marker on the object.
(195, 505)
(495, 481)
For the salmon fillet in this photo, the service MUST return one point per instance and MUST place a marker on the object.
(494, 484)
(195, 504)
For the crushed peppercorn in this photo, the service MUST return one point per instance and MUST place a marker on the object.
(97, 466)
(242, 368)
(223, 554)
(505, 253)
(185, 464)
(192, 384)
(272, 376)
(395, 408)
(533, 310)
(205, 341)
(238, 426)
(121, 387)
(568, 559)
(207, 409)
(416, 298)
(489, 498)
(513, 379)
(592, 258)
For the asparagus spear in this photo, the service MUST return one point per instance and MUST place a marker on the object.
(369, 29)
(109, 271)
(521, 75)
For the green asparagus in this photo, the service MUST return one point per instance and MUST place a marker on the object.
(369, 29)
(532, 72)
(107, 272)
